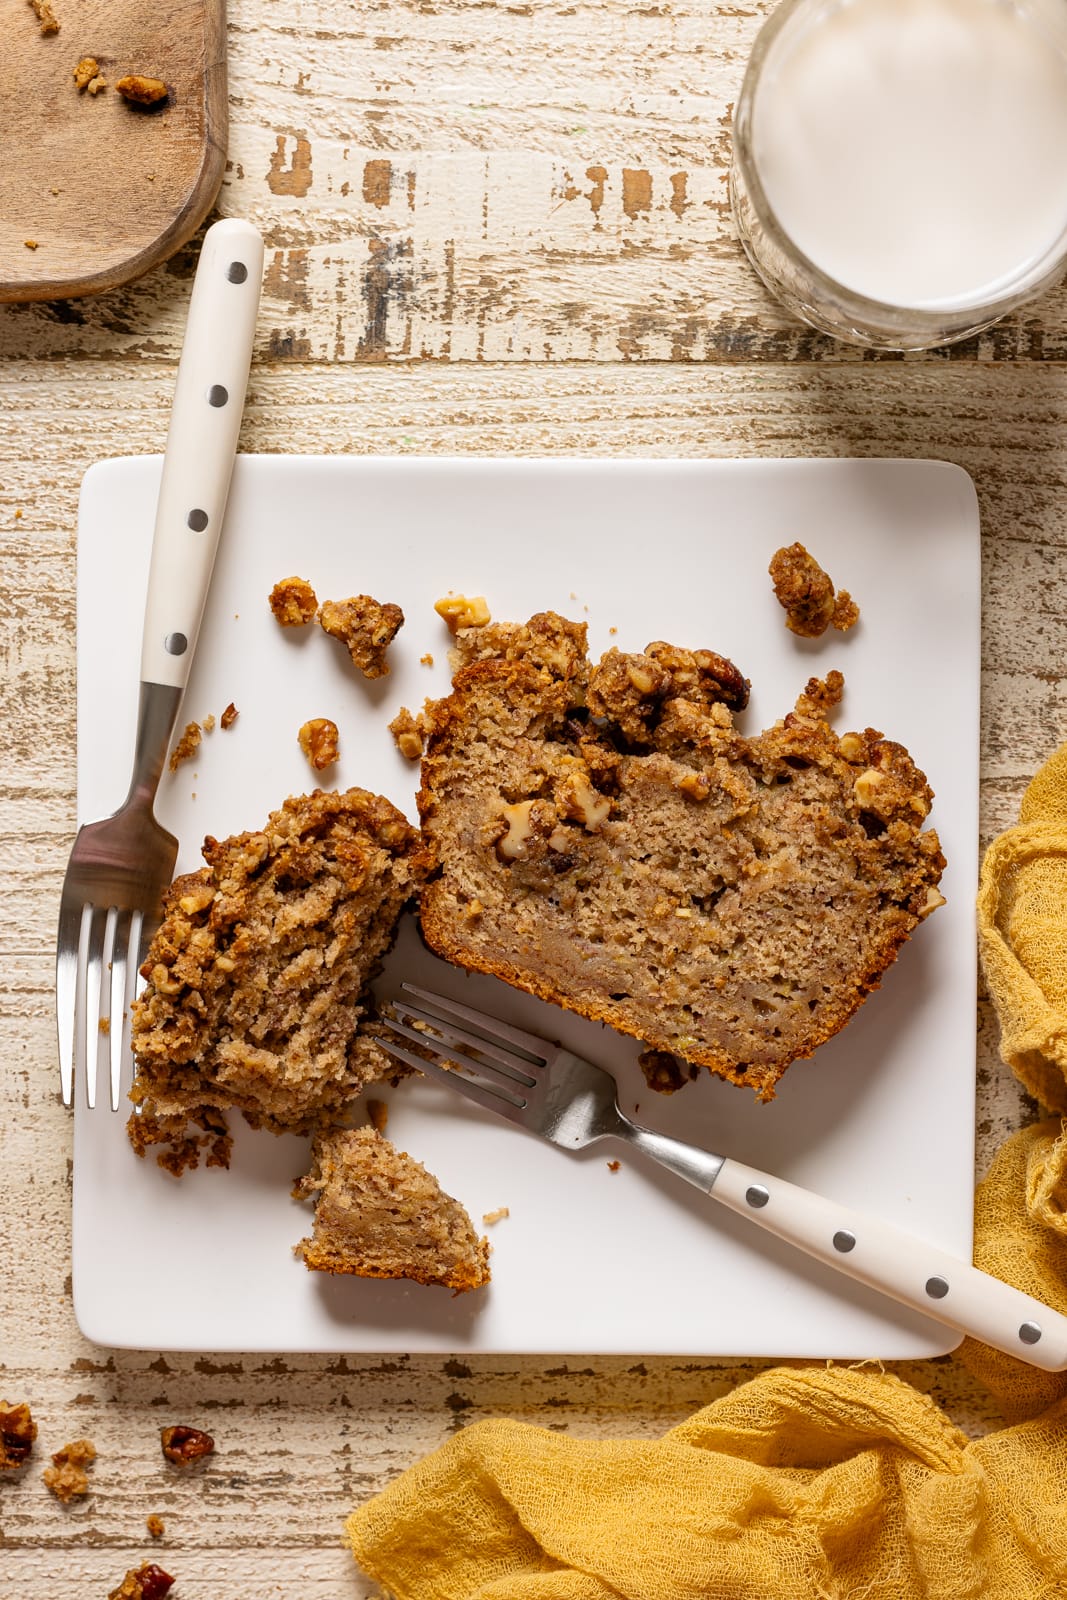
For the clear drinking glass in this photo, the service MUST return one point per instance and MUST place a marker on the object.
(1022, 78)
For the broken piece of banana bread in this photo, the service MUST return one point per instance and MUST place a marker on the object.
(256, 979)
(380, 1214)
(604, 837)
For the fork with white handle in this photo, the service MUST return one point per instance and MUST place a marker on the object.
(572, 1103)
(120, 866)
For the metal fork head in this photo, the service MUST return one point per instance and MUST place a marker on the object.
(524, 1078)
(109, 910)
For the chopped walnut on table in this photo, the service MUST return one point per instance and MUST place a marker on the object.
(462, 611)
(407, 731)
(293, 602)
(806, 594)
(183, 1445)
(319, 742)
(67, 1477)
(146, 1582)
(87, 76)
(365, 627)
(489, 1217)
(17, 1433)
(141, 91)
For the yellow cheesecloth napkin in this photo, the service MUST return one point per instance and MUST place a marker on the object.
(807, 1483)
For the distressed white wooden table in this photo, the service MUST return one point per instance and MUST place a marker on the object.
(496, 228)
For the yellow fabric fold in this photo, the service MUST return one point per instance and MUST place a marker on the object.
(1022, 932)
(807, 1484)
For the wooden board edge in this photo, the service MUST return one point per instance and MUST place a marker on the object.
(199, 199)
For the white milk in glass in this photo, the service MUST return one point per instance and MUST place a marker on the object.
(916, 150)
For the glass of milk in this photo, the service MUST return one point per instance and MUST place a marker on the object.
(899, 170)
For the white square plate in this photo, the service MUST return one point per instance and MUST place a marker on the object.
(589, 1259)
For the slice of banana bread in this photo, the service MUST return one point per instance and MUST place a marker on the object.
(606, 839)
(380, 1214)
(256, 977)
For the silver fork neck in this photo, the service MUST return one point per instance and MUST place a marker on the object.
(696, 1166)
(157, 712)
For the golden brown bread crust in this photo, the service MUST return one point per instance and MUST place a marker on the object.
(730, 900)
(255, 980)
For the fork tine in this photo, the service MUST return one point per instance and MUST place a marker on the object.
(70, 924)
(94, 974)
(503, 1060)
(489, 1097)
(539, 1050)
(127, 937)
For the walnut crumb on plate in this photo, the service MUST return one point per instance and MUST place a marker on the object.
(366, 627)
(462, 611)
(293, 602)
(489, 1217)
(319, 742)
(806, 594)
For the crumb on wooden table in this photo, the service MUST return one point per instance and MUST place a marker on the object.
(155, 1525)
(66, 1477)
(293, 602)
(229, 716)
(463, 611)
(183, 1445)
(141, 90)
(489, 1217)
(17, 1433)
(86, 70)
(45, 16)
(187, 746)
(319, 742)
(366, 627)
(95, 85)
(31, 244)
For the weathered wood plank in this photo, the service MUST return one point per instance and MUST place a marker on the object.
(488, 182)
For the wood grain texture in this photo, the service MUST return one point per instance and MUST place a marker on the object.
(498, 229)
(95, 191)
